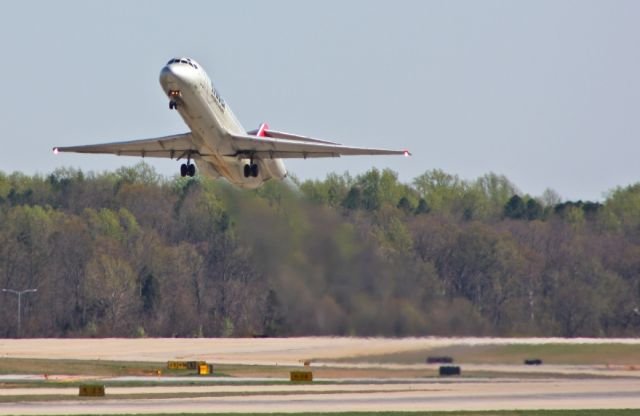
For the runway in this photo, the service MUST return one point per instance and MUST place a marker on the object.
(476, 395)
(340, 384)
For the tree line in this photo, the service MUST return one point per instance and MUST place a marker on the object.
(131, 253)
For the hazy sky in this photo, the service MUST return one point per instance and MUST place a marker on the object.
(545, 92)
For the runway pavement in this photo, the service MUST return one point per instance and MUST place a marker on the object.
(477, 395)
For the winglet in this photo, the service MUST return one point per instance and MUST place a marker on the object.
(56, 151)
(407, 153)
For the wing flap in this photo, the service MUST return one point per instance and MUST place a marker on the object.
(174, 146)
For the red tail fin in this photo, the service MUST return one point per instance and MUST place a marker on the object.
(263, 127)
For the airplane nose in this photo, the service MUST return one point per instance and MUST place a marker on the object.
(175, 75)
(167, 75)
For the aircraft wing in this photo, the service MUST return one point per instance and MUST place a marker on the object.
(284, 145)
(176, 146)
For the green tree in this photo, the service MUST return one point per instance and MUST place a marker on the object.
(111, 293)
(422, 208)
(515, 208)
(534, 210)
(442, 190)
(353, 200)
(135, 254)
(405, 205)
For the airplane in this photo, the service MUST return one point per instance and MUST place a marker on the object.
(217, 143)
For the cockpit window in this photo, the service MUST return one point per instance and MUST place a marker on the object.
(182, 61)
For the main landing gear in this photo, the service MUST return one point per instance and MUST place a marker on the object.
(251, 170)
(187, 169)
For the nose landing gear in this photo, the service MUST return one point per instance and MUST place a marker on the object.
(173, 99)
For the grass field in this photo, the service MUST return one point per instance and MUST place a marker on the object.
(616, 354)
(570, 354)
(102, 368)
(79, 372)
(79, 367)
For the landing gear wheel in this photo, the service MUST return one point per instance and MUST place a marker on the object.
(191, 170)
(247, 171)
(173, 105)
(184, 170)
(254, 170)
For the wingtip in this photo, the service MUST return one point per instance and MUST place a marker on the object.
(407, 153)
(56, 150)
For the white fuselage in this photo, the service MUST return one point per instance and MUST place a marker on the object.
(211, 120)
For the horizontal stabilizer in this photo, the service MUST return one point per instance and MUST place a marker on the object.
(292, 146)
(264, 131)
